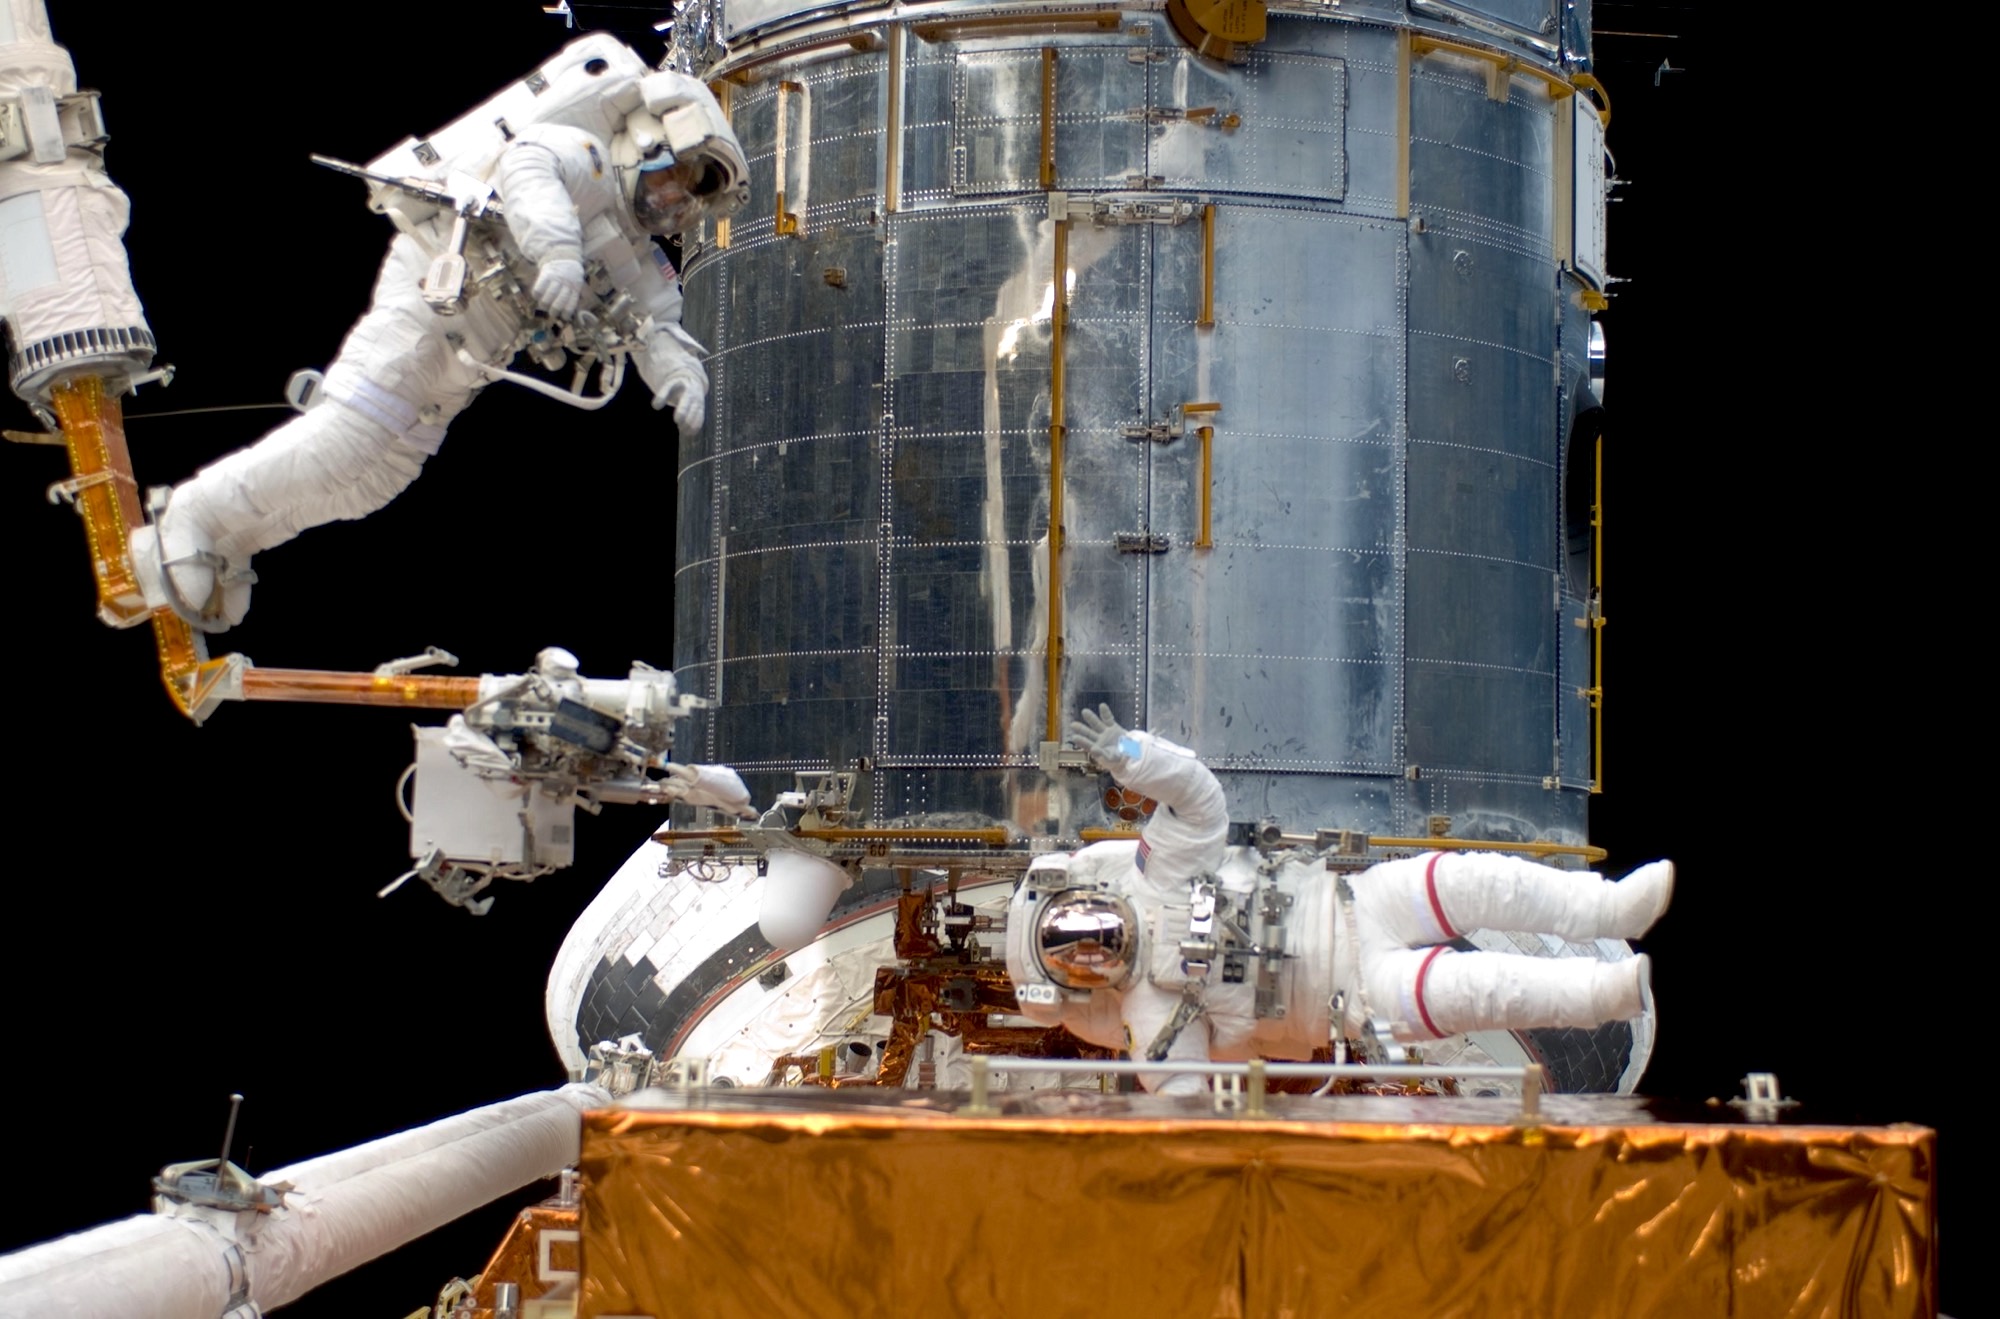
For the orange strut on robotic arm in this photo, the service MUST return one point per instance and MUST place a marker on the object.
(106, 496)
(105, 493)
(409, 691)
(102, 488)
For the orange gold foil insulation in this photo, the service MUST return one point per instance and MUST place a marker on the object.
(408, 691)
(753, 1214)
(107, 497)
(539, 1255)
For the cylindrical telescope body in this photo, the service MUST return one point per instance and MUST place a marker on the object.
(1057, 363)
(65, 289)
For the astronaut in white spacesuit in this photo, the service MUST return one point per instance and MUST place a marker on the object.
(584, 177)
(1158, 947)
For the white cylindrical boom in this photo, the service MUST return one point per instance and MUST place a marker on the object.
(343, 1210)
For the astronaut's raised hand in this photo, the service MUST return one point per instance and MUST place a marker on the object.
(559, 287)
(708, 785)
(1110, 746)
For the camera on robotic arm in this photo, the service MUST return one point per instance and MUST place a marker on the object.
(493, 793)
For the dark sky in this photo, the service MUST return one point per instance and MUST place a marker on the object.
(194, 910)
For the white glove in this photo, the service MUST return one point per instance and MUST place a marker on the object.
(559, 287)
(679, 778)
(707, 785)
(1111, 747)
(684, 388)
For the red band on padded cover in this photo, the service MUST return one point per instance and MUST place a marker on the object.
(1424, 970)
(1431, 888)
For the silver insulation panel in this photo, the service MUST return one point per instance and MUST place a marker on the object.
(1390, 623)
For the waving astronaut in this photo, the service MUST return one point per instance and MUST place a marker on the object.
(1158, 947)
(586, 160)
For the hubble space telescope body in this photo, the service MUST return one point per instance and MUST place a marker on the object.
(1231, 365)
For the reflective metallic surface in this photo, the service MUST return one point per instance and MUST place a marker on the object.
(1355, 372)
(1325, 1207)
(1057, 363)
(1085, 939)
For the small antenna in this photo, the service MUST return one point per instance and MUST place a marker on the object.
(229, 1132)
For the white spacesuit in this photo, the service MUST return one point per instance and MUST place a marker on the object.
(605, 153)
(716, 786)
(1160, 947)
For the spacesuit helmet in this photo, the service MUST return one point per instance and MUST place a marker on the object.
(1086, 939)
(671, 194)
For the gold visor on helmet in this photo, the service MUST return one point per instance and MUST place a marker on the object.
(1086, 939)
(670, 195)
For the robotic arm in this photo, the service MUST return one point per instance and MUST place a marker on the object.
(496, 789)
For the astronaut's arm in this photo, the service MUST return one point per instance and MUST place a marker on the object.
(1193, 815)
(709, 785)
(670, 359)
(542, 218)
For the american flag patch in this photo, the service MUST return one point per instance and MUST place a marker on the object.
(1145, 850)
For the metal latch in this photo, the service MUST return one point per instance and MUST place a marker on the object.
(1140, 542)
(1274, 906)
(1199, 948)
(1199, 114)
(1117, 210)
(1175, 426)
(1055, 757)
(1341, 842)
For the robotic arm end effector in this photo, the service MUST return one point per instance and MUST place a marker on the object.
(495, 790)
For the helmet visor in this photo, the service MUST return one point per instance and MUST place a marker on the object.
(1086, 939)
(670, 197)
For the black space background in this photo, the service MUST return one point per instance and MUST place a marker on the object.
(192, 911)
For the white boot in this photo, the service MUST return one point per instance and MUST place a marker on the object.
(1622, 989)
(1434, 993)
(1632, 904)
(1430, 899)
(178, 568)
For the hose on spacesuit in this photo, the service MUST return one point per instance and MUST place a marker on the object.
(611, 374)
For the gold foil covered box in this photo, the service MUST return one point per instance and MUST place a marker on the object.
(1096, 1205)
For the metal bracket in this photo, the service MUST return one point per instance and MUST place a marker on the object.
(1274, 905)
(1761, 1100)
(1188, 1009)
(66, 491)
(1056, 757)
(410, 664)
(1199, 114)
(1175, 426)
(827, 794)
(1115, 210)
(1341, 842)
(1198, 950)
